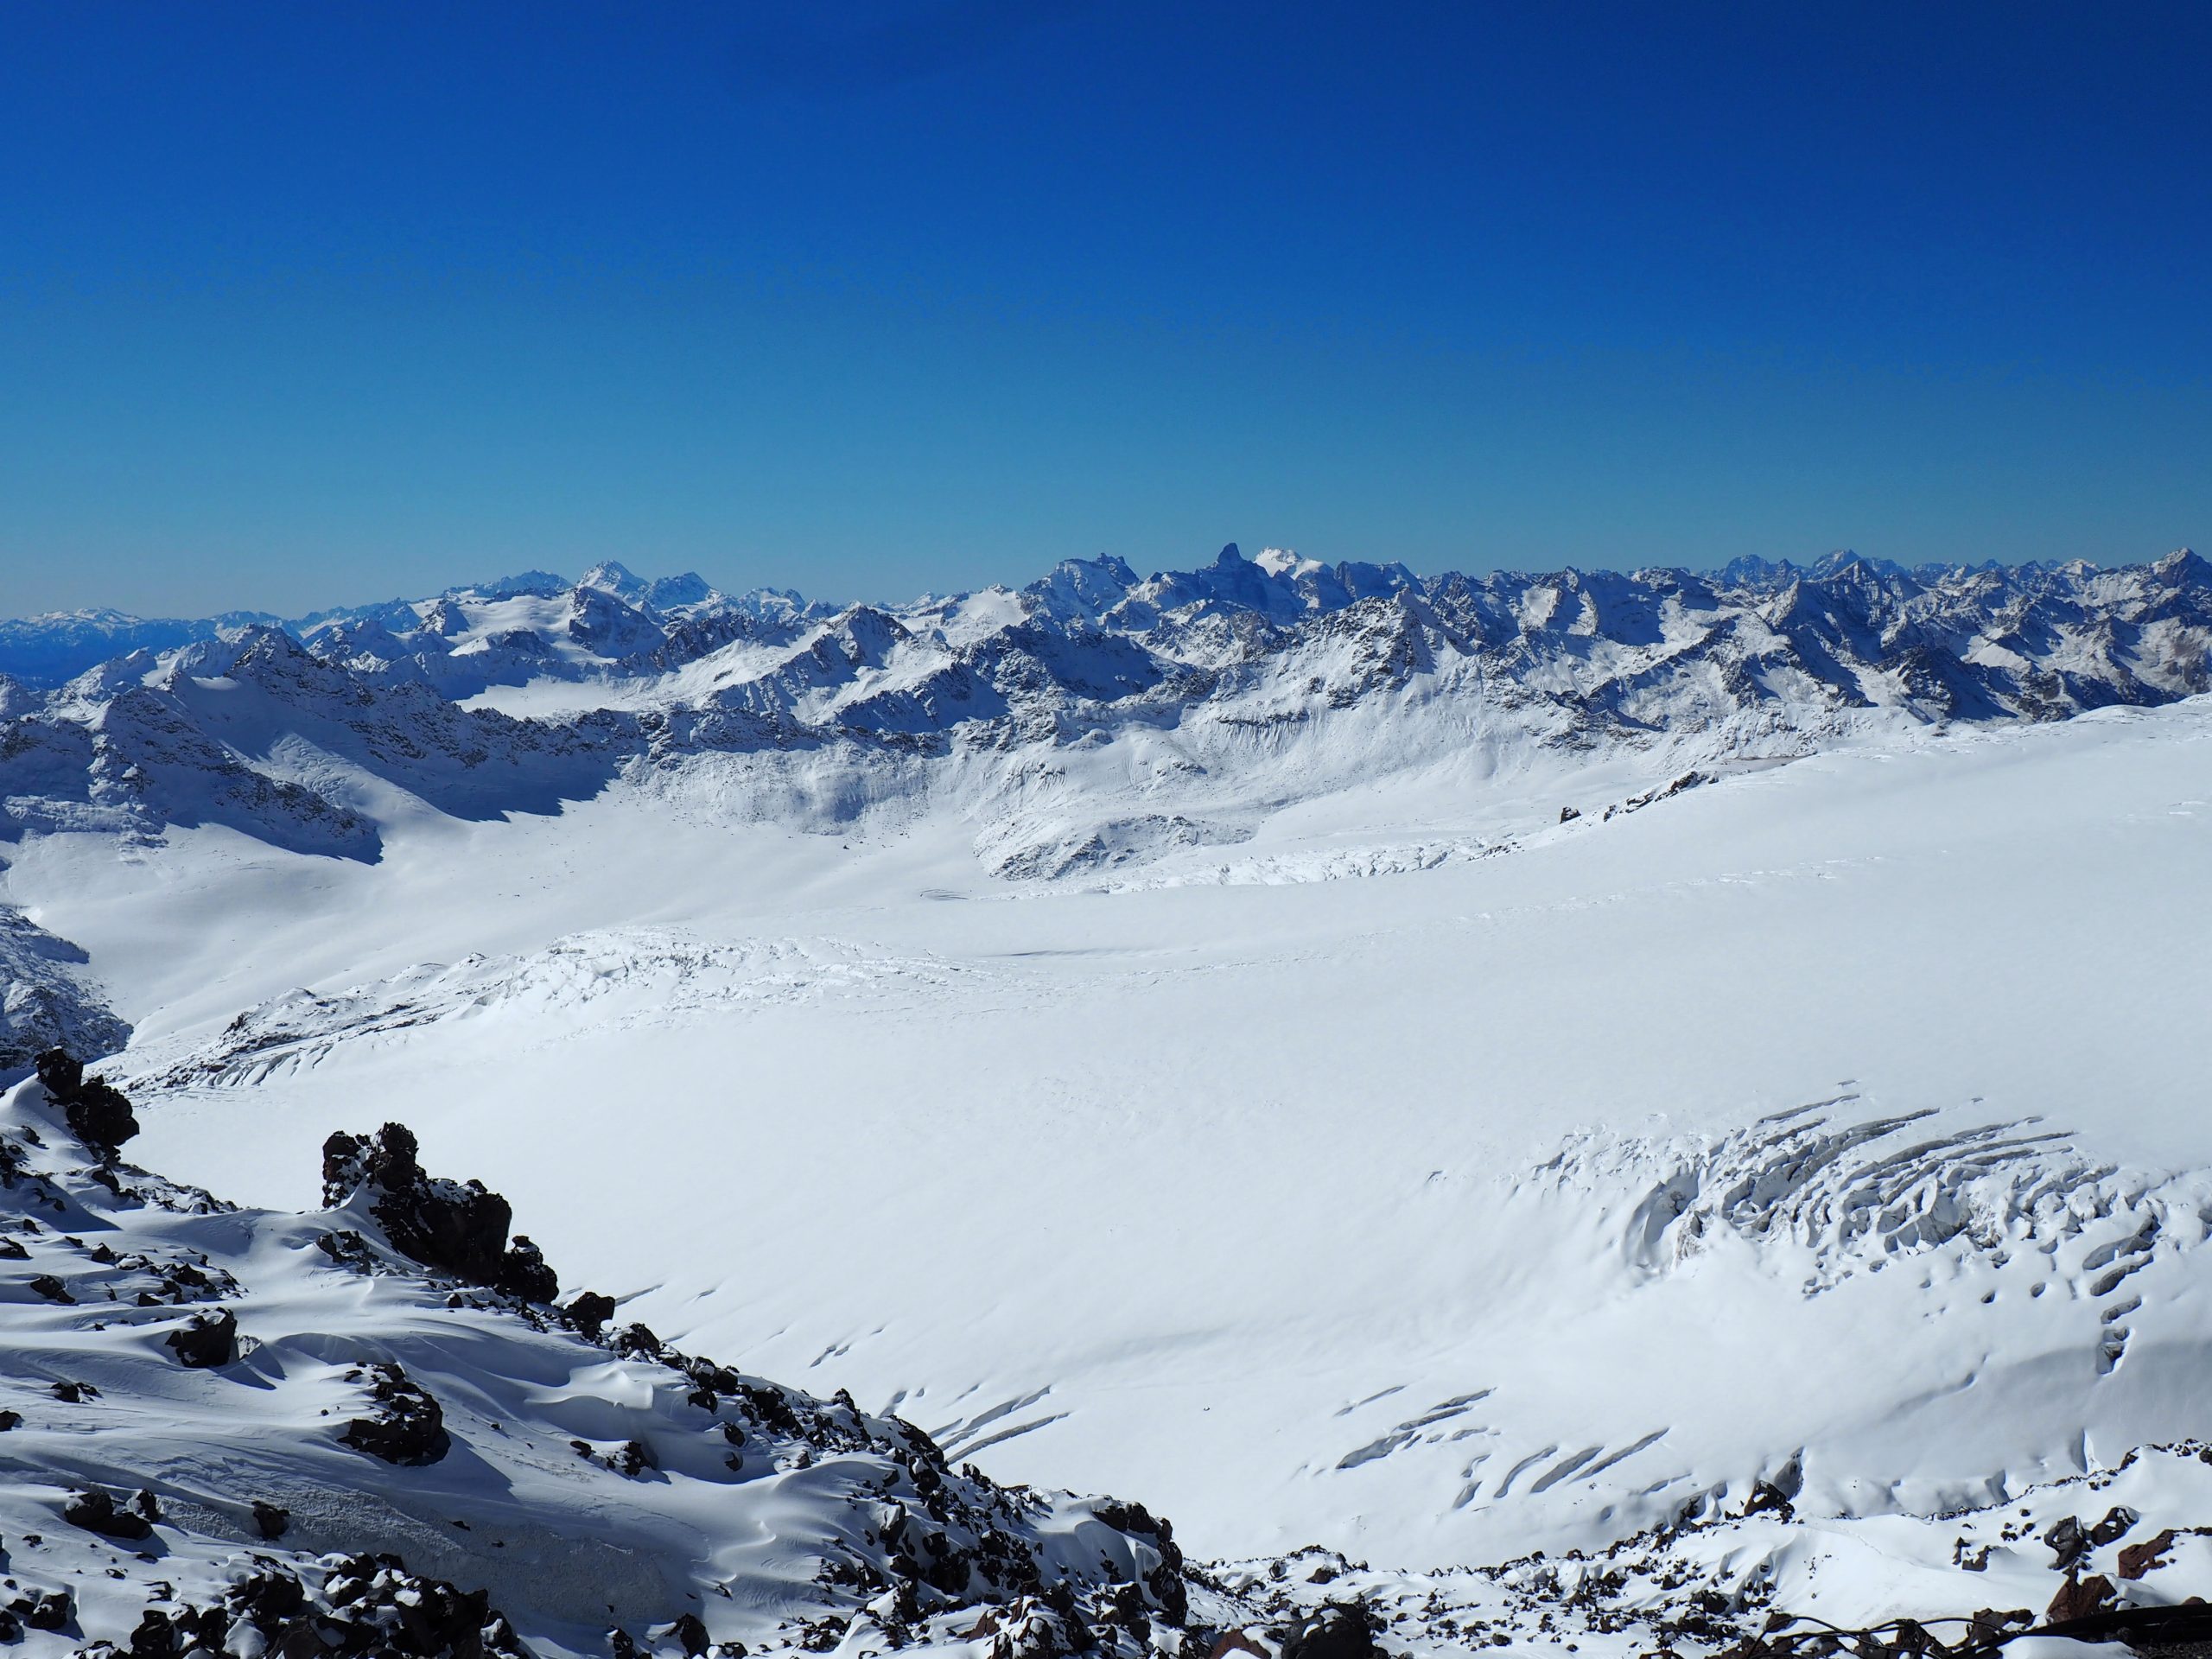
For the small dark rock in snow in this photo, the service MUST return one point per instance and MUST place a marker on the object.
(271, 1520)
(2113, 1527)
(52, 1288)
(205, 1341)
(523, 1273)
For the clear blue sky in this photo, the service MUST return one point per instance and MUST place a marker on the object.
(310, 303)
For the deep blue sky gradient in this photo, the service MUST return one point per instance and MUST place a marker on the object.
(305, 304)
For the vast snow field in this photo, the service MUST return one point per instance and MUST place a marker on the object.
(1836, 1123)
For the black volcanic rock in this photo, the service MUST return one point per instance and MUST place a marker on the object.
(98, 1113)
(206, 1340)
(405, 1424)
(95, 1511)
(456, 1227)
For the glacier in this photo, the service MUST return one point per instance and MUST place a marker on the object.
(1397, 1073)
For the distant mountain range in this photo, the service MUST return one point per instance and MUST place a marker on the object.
(519, 693)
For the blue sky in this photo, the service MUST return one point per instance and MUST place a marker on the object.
(305, 304)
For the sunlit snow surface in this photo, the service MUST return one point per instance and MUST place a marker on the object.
(1413, 1174)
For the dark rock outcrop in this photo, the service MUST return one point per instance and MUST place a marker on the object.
(206, 1340)
(455, 1227)
(98, 1113)
(405, 1425)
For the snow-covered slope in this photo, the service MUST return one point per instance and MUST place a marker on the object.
(374, 1428)
(1398, 1065)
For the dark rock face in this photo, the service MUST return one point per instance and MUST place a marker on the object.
(98, 1112)
(405, 1426)
(456, 1227)
(205, 1341)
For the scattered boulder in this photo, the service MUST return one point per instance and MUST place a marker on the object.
(95, 1511)
(406, 1426)
(98, 1113)
(270, 1521)
(524, 1272)
(455, 1227)
(205, 1341)
(44, 1609)
(52, 1288)
(1165, 1583)
(2069, 1541)
(2077, 1598)
(156, 1637)
(1340, 1631)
